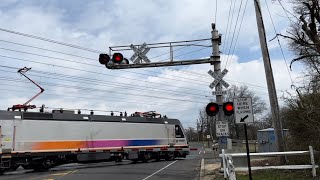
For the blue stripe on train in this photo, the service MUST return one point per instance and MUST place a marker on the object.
(143, 142)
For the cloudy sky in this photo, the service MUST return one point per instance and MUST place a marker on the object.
(73, 78)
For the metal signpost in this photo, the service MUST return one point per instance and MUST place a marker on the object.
(244, 115)
(222, 128)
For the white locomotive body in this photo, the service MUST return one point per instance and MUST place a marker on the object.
(43, 140)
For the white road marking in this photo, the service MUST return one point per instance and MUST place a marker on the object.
(202, 169)
(204, 152)
(160, 170)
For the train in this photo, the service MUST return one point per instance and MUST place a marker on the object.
(43, 140)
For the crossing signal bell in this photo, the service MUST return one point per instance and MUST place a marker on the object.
(212, 109)
(228, 108)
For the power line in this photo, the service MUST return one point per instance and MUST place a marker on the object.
(107, 74)
(50, 40)
(227, 28)
(237, 36)
(102, 98)
(90, 81)
(72, 61)
(104, 91)
(93, 72)
(286, 12)
(215, 13)
(44, 49)
(102, 83)
(235, 27)
(283, 56)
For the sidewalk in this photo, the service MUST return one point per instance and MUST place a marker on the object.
(211, 165)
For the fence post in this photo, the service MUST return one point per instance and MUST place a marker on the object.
(224, 165)
(231, 169)
(314, 173)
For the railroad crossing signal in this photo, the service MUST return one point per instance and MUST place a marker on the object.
(117, 58)
(104, 58)
(212, 109)
(228, 108)
(218, 79)
(140, 54)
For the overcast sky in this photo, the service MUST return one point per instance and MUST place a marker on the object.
(178, 92)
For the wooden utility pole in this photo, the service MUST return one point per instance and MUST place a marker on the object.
(270, 80)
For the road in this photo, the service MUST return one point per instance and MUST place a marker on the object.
(188, 168)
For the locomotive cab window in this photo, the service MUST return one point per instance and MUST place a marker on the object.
(179, 133)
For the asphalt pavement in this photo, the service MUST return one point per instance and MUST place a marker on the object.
(180, 168)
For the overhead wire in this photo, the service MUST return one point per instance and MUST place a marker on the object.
(88, 71)
(239, 29)
(103, 83)
(175, 56)
(232, 38)
(45, 49)
(50, 40)
(121, 85)
(89, 81)
(109, 91)
(227, 28)
(283, 56)
(98, 98)
(185, 79)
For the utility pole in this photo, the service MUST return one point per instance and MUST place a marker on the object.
(217, 69)
(270, 80)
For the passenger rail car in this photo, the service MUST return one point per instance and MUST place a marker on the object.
(40, 141)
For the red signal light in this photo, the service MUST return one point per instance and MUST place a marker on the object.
(212, 109)
(104, 58)
(228, 108)
(117, 58)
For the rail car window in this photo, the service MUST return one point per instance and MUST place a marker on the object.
(179, 133)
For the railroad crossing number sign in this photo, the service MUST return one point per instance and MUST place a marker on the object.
(222, 129)
(243, 110)
(140, 53)
(218, 79)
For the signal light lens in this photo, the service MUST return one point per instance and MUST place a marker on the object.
(212, 109)
(228, 108)
(104, 58)
(117, 58)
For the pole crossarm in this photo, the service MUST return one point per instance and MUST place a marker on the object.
(161, 64)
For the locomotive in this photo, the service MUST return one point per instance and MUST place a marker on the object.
(42, 140)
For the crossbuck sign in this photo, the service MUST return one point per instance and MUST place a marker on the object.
(140, 53)
(218, 79)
